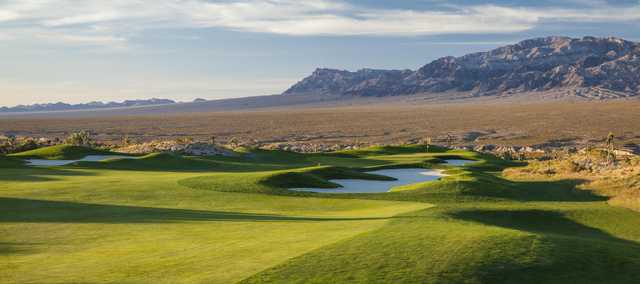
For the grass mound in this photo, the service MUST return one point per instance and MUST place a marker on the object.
(389, 150)
(474, 186)
(154, 162)
(278, 181)
(317, 177)
(61, 152)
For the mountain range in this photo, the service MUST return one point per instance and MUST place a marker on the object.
(60, 106)
(588, 67)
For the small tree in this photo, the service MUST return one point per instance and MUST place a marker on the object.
(185, 140)
(126, 140)
(234, 142)
(427, 142)
(12, 140)
(610, 148)
(82, 138)
(506, 155)
(5, 147)
(449, 140)
(548, 157)
(212, 140)
(26, 145)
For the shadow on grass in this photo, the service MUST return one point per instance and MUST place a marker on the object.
(167, 162)
(489, 185)
(17, 210)
(33, 174)
(15, 248)
(566, 251)
(536, 221)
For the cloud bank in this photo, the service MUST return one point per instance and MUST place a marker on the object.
(113, 22)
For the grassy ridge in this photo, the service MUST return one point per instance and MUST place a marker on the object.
(61, 152)
(153, 162)
(276, 182)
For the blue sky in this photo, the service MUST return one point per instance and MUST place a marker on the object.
(80, 51)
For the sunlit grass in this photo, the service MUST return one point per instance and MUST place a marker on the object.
(167, 218)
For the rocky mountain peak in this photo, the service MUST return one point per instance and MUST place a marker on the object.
(537, 64)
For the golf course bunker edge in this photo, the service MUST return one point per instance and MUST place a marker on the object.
(402, 176)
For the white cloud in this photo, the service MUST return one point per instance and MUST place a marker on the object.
(38, 37)
(81, 39)
(300, 18)
(8, 15)
(107, 21)
(83, 19)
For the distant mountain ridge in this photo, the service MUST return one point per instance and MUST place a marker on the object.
(587, 66)
(86, 106)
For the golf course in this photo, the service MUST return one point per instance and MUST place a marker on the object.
(169, 218)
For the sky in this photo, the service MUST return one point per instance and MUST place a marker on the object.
(96, 50)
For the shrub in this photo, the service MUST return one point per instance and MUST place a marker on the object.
(82, 138)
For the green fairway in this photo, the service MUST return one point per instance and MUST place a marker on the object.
(173, 219)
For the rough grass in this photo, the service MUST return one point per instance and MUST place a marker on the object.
(623, 191)
(621, 184)
(185, 222)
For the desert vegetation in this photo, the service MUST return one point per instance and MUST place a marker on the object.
(14, 144)
(509, 124)
(604, 170)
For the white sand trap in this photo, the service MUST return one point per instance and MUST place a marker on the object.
(457, 162)
(90, 158)
(403, 176)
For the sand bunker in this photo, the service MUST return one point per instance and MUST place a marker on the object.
(402, 176)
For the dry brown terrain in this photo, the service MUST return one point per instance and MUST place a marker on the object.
(507, 123)
(618, 179)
